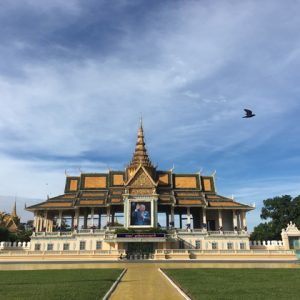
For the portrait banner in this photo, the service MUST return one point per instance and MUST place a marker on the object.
(140, 213)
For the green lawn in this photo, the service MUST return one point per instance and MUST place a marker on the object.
(57, 284)
(238, 283)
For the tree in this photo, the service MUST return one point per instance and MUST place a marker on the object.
(278, 211)
(263, 232)
(23, 235)
(4, 234)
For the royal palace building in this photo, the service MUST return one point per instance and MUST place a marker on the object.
(139, 210)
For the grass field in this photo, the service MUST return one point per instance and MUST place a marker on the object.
(238, 283)
(57, 284)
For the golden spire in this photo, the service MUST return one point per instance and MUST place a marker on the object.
(141, 120)
(14, 210)
(140, 156)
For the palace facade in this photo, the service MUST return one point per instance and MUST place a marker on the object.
(139, 210)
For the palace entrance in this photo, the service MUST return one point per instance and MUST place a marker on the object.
(140, 250)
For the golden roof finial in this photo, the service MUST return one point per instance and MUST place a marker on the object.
(14, 210)
(140, 156)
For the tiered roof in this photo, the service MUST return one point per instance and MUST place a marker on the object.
(103, 189)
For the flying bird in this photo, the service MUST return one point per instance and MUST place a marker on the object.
(249, 113)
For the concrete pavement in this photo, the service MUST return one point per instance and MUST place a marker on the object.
(144, 281)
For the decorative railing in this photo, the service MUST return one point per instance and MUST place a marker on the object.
(52, 234)
(84, 231)
(266, 243)
(68, 252)
(199, 251)
(172, 251)
(38, 233)
(99, 230)
(14, 245)
(206, 232)
(169, 230)
(110, 234)
(90, 231)
(69, 233)
(48, 234)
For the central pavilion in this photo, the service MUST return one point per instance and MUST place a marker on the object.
(139, 208)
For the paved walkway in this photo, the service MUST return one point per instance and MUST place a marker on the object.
(145, 282)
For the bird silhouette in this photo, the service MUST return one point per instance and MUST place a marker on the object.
(249, 113)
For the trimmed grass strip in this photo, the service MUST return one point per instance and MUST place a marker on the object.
(238, 283)
(57, 284)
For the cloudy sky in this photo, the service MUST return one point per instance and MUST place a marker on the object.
(75, 75)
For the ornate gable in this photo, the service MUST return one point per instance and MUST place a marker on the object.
(141, 179)
(141, 183)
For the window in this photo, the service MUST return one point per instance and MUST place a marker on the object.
(66, 247)
(198, 244)
(82, 245)
(214, 245)
(49, 247)
(242, 246)
(229, 246)
(37, 247)
(98, 245)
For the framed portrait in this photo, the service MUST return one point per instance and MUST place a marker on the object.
(140, 213)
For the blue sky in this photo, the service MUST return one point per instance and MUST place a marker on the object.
(74, 76)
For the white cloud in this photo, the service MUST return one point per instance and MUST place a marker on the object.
(190, 68)
(259, 189)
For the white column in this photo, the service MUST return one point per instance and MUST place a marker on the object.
(99, 222)
(59, 218)
(46, 221)
(72, 220)
(108, 215)
(51, 225)
(92, 216)
(172, 215)
(234, 219)
(220, 218)
(239, 220)
(243, 219)
(76, 220)
(35, 221)
(113, 217)
(204, 215)
(188, 212)
(40, 223)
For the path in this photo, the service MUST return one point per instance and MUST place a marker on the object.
(145, 282)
